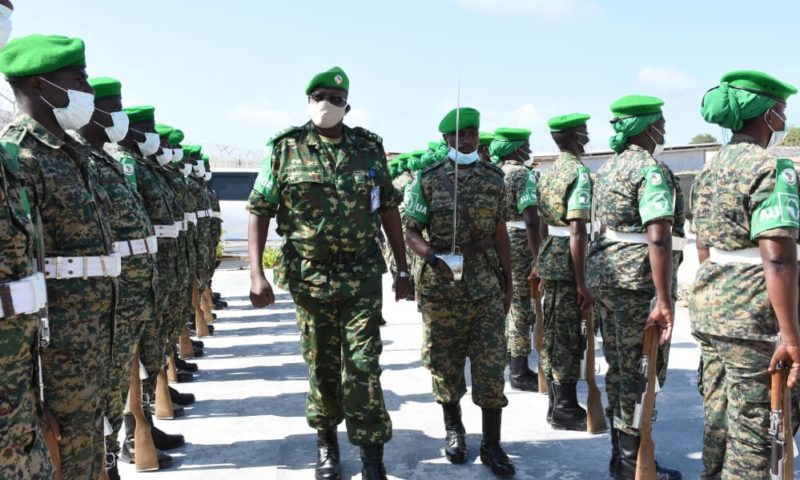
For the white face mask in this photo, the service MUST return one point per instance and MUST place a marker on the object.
(325, 114)
(199, 170)
(5, 24)
(78, 112)
(463, 158)
(165, 157)
(187, 169)
(777, 135)
(659, 146)
(177, 154)
(119, 126)
(587, 144)
(207, 176)
(151, 144)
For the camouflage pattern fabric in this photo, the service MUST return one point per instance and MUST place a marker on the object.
(128, 220)
(562, 348)
(203, 231)
(623, 314)
(216, 228)
(59, 180)
(400, 183)
(323, 195)
(730, 309)
(465, 318)
(341, 343)
(519, 321)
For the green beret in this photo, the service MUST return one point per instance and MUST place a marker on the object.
(565, 122)
(760, 82)
(636, 105)
(189, 150)
(163, 130)
(485, 139)
(142, 113)
(333, 78)
(435, 145)
(105, 87)
(40, 54)
(418, 153)
(512, 135)
(468, 118)
(206, 159)
(175, 137)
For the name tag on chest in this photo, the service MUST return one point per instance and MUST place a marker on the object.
(374, 199)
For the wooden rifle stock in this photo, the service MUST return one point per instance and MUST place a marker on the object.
(163, 402)
(781, 465)
(646, 461)
(201, 326)
(595, 416)
(146, 457)
(187, 350)
(52, 444)
(536, 298)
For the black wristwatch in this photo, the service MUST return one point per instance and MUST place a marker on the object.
(430, 258)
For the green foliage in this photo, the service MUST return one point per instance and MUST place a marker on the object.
(271, 255)
(702, 138)
(792, 138)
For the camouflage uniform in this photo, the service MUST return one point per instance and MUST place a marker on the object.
(520, 318)
(163, 211)
(331, 263)
(400, 183)
(619, 273)
(59, 180)
(465, 318)
(22, 453)
(216, 225)
(203, 238)
(730, 308)
(565, 193)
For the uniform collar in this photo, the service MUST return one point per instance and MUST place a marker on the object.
(567, 156)
(313, 137)
(743, 138)
(38, 131)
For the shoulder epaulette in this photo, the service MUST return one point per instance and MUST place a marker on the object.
(433, 167)
(492, 167)
(14, 134)
(363, 132)
(283, 134)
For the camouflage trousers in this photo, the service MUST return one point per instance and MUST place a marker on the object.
(735, 385)
(562, 348)
(75, 368)
(181, 302)
(22, 454)
(520, 318)
(135, 309)
(203, 245)
(341, 344)
(153, 344)
(623, 314)
(454, 331)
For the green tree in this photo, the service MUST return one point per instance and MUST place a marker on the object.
(792, 138)
(702, 138)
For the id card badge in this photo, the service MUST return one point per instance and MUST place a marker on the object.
(374, 199)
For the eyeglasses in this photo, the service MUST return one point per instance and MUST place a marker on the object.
(336, 100)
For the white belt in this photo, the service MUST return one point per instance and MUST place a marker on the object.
(678, 243)
(28, 295)
(61, 268)
(555, 231)
(190, 217)
(750, 256)
(182, 225)
(204, 213)
(139, 246)
(216, 215)
(519, 224)
(167, 231)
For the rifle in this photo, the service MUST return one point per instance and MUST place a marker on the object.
(187, 351)
(781, 463)
(536, 299)
(145, 458)
(645, 403)
(595, 417)
(163, 403)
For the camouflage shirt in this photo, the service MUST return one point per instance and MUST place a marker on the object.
(727, 197)
(565, 193)
(429, 209)
(159, 200)
(17, 258)
(632, 189)
(328, 197)
(516, 179)
(400, 183)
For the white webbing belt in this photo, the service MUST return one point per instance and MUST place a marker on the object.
(24, 296)
(190, 217)
(203, 213)
(750, 256)
(167, 231)
(139, 246)
(518, 224)
(678, 243)
(182, 225)
(61, 268)
(216, 215)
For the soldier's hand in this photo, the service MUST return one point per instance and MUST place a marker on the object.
(49, 424)
(534, 272)
(507, 300)
(261, 292)
(789, 355)
(444, 269)
(402, 287)
(585, 300)
(661, 315)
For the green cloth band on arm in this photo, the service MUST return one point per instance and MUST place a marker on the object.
(129, 169)
(656, 201)
(581, 196)
(529, 196)
(782, 208)
(416, 205)
(265, 184)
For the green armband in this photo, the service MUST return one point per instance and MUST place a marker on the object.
(416, 205)
(129, 169)
(529, 197)
(581, 196)
(656, 202)
(782, 208)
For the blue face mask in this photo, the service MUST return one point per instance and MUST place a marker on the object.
(463, 158)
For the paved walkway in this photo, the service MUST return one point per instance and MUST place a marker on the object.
(248, 421)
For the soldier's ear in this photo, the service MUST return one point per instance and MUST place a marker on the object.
(347, 109)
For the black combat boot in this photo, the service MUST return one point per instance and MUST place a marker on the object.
(185, 377)
(372, 460)
(492, 454)
(219, 304)
(181, 364)
(521, 377)
(327, 455)
(128, 453)
(111, 466)
(612, 463)
(550, 400)
(455, 446)
(567, 412)
(162, 440)
(629, 452)
(182, 399)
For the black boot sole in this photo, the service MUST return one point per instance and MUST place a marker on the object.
(581, 427)
(503, 473)
(455, 459)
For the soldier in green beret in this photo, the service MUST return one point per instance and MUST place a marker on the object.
(48, 77)
(464, 317)
(330, 188)
(565, 203)
(745, 212)
(510, 149)
(215, 215)
(484, 141)
(640, 211)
